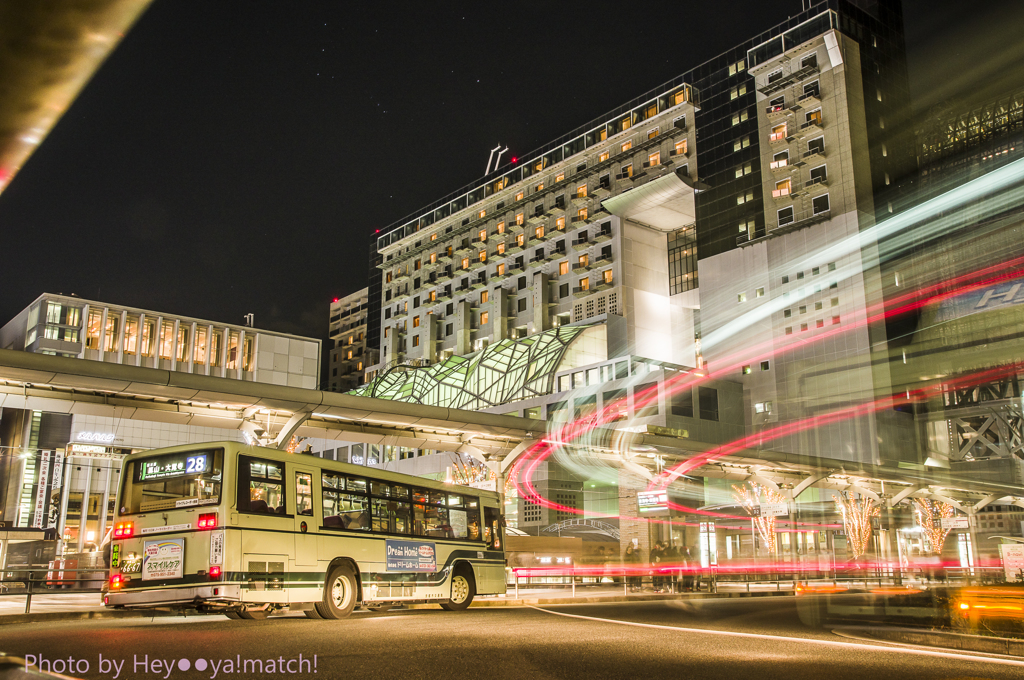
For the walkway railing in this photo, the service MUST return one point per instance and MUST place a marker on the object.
(40, 580)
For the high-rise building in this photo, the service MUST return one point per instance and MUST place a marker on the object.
(730, 209)
(349, 354)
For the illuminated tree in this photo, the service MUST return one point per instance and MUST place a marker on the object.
(929, 515)
(857, 514)
(752, 496)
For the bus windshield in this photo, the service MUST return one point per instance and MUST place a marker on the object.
(173, 480)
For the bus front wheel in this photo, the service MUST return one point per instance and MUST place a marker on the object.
(339, 593)
(463, 590)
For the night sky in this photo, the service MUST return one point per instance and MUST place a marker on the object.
(235, 157)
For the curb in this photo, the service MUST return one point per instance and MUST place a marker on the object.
(82, 616)
(928, 638)
(521, 602)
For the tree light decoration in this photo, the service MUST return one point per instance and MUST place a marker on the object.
(751, 496)
(929, 515)
(857, 514)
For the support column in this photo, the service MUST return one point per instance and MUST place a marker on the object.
(85, 331)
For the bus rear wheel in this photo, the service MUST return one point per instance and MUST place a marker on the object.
(463, 590)
(339, 593)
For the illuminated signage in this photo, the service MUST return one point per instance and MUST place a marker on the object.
(101, 437)
(650, 501)
(174, 465)
(87, 448)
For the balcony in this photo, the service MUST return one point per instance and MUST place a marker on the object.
(554, 255)
(538, 259)
(497, 278)
(816, 183)
(581, 201)
(443, 277)
(780, 166)
(581, 244)
(812, 156)
(782, 193)
(582, 268)
(785, 81)
(513, 249)
(605, 285)
(810, 100)
(600, 214)
(496, 236)
(476, 264)
(579, 221)
(811, 127)
(679, 153)
(601, 192)
(777, 111)
(603, 237)
(517, 228)
(798, 224)
(464, 250)
(444, 259)
(537, 240)
(401, 277)
(477, 285)
(779, 137)
(581, 292)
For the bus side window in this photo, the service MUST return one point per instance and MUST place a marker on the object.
(303, 493)
(260, 486)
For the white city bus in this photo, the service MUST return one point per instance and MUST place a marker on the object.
(250, 531)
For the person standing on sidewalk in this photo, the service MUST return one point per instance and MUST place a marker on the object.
(631, 561)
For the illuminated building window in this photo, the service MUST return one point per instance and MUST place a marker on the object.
(483, 297)
(681, 147)
(539, 187)
(465, 263)
(348, 355)
(581, 214)
(519, 196)
(482, 256)
(483, 234)
(607, 274)
(415, 341)
(415, 324)
(584, 260)
(581, 191)
(563, 268)
(560, 177)
(183, 343)
(746, 370)
(110, 333)
(652, 133)
(484, 317)
(627, 145)
(501, 268)
(433, 258)
(232, 361)
(539, 232)
(520, 240)
(585, 283)
(131, 335)
(519, 218)
(560, 223)
(603, 157)
(654, 159)
(481, 214)
(216, 345)
(501, 249)
(501, 228)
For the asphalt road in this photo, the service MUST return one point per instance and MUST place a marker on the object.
(760, 638)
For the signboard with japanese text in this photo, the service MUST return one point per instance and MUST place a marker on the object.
(1013, 560)
(954, 523)
(163, 558)
(411, 556)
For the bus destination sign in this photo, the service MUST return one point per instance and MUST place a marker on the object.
(411, 556)
(173, 466)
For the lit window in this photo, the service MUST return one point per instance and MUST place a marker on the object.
(654, 159)
(539, 187)
(539, 232)
(583, 260)
(681, 147)
(500, 228)
(520, 240)
(679, 97)
(359, 366)
(349, 354)
(386, 331)
(581, 214)
(581, 191)
(433, 258)
(433, 237)
(560, 177)
(759, 292)
(585, 283)
(465, 263)
(563, 268)
(483, 297)
(651, 134)
(482, 255)
(782, 189)
(628, 121)
(560, 223)
(602, 157)
(746, 370)
(627, 145)
(519, 196)
(501, 267)
(433, 296)
(501, 249)
(742, 297)
(627, 170)
(607, 274)
(481, 214)
(483, 234)
(778, 133)
(519, 218)
(415, 324)
(484, 317)
(415, 341)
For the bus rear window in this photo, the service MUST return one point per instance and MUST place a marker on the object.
(173, 480)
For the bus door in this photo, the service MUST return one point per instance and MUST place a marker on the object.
(306, 522)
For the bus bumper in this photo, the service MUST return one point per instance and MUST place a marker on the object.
(182, 597)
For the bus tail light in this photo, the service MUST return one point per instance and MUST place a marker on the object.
(207, 521)
(124, 530)
(214, 572)
(116, 581)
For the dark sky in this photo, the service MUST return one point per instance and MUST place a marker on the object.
(234, 157)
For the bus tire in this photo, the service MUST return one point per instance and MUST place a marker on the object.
(463, 590)
(312, 613)
(253, 614)
(233, 615)
(340, 592)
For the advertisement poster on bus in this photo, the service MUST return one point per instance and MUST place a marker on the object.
(1013, 561)
(411, 556)
(163, 558)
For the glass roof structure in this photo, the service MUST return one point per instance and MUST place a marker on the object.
(509, 370)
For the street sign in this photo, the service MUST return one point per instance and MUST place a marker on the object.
(953, 523)
(648, 501)
(771, 510)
